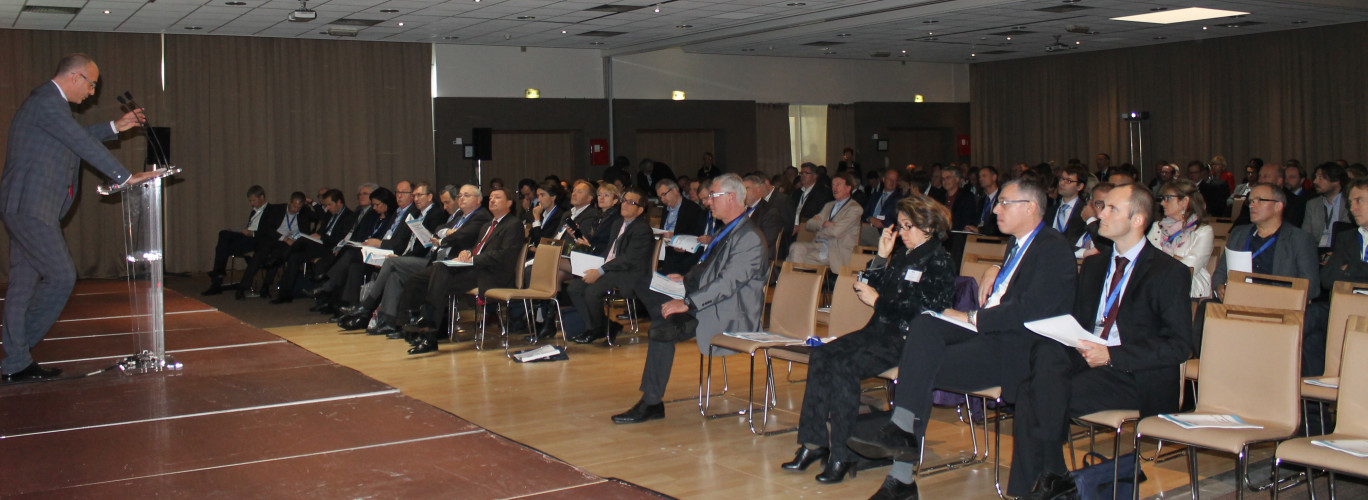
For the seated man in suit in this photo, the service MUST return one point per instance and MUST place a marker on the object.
(397, 239)
(1036, 281)
(493, 263)
(987, 217)
(464, 205)
(1135, 298)
(725, 292)
(1214, 190)
(763, 213)
(882, 207)
(1065, 212)
(238, 241)
(626, 267)
(1347, 261)
(681, 217)
(329, 231)
(1328, 207)
(1278, 249)
(297, 221)
(837, 229)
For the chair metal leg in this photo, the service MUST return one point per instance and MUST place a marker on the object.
(701, 391)
(1192, 472)
(997, 446)
(750, 391)
(560, 321)
(1332, 487)
(974, 458)
(1135, 474)
(1116, 458)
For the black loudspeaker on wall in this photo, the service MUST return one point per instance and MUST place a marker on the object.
(162, 137)
(482, 139)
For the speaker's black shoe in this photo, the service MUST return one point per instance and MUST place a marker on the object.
(423, 347)
(32, 372)
(894, 489)
(641, 413)
(891, 442)
(806, 456)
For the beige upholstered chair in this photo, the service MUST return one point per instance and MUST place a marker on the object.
(995, 246)
(973, 265)
(794, 316)
(1352, 423)
(543, 285)
(1343, 303)
(1246, 290)
(1253, 363)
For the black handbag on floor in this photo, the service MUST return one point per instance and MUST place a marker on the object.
(1094, 480)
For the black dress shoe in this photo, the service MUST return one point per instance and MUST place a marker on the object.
(353, 322)
(1051, 486)
(894, 489)
(585, 338)
(891, 442)
(423, 347)
(396, 335)
(806, 456)
(212, 290)
(641, 413)
(283, 298)
(547, 330)
(836, 472)
(33, 372)
(354, 310)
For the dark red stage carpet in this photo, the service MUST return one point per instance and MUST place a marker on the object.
(250, 416)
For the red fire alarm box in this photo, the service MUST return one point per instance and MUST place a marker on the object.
(962, 145)
(598, 152)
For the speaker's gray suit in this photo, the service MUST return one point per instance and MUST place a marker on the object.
(725, 293)
(42, 175)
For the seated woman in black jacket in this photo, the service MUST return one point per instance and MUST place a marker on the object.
(599, 237)
(903, 281)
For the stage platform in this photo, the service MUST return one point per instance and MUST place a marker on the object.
(250, 416)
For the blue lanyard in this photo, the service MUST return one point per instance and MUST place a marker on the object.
(381, 226)
(462, 222)
(548, 214)
(988, 208)
(719, 237)
(1261, 249)
(836, 208)
(1014, 259)
(1062, 217)
(1175, 235)
(289, 222)
(878, 207)
(1113, 295)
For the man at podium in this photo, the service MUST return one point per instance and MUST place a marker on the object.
(40, 181)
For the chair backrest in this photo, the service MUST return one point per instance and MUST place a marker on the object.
(848, 313)
(522, 267)
(794, 312)
(1266, 290)
(860, 260)
(1217, 253)
(973, 265)
(1251, 363)
(1221, 227)
(545, 266)
(1238, 204)
(1352, 400)
(986, 245)
(804, 234)
(655, 263)
(1343, 303)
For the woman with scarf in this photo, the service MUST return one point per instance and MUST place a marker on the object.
(1183, 232)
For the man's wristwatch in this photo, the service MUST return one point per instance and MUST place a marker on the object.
(973, 317)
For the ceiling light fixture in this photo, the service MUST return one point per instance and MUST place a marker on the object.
(194, 28)
(595, 43)
(563, 32)
(683, 26)
(389, 11)
(930, 21)
(401, 23)
(657, 8)
(1300, 21)
(843, 35)
(677, 95)
(1180, 15)
(526, 18)
(106, 12)
(1161, 38)
(235, 3)
(795, 4)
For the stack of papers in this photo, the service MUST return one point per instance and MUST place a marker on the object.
(952, 321)
(581, 262)
(764, 338)
(1328, 382)
(1355, 447)
(686, 243)
(310, 238)
(671, 288)
(1237, 260)
(455, 263)
(542, 352)
(375, 256)
(1200, 421)
(420, 232)
(1063, 329)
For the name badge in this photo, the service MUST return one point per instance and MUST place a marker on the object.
(913, 276)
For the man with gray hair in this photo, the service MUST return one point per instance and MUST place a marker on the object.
(725, 292)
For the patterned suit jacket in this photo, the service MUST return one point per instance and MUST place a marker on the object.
(43, 163)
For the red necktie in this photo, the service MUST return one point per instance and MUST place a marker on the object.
(489, 233)
(1117, 275)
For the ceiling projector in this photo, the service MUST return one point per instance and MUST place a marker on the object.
(302, 15)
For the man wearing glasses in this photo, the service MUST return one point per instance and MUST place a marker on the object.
(1066, 211)
(626, 267)
(1036, 281)
(41, 178)
(1276, 248)
(681, 217)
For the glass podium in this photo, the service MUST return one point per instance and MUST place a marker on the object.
(143, 243)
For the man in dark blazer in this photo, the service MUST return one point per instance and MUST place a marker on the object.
(329, 231)
(680, 216)
(583, 217)
(961, 202)
(1036, 282)
(724, 293)
(764, 214)
(296, 219)
(1065, 212)
(627, 267)
(1346, 261)
(493, 263)
(881, 207)
(1133, 297)
(808, 198)
(986, 222)
(41, 178)
(1280, 249)
(652, 172)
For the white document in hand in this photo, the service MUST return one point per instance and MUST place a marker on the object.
(311, 238)
(953, 321)
(1237, 260)
(1063, 329)
(686, 243)
(581, 262)
(671, 288)
(419, 231)
(375, 256)
(456, 263)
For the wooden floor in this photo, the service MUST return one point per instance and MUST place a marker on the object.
(563, 409)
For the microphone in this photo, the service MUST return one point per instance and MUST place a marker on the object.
(158, 152)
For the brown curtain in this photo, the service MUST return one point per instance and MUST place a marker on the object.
(127, 62)
(290, 115)
(840, 132)
(530, 154)
(1292, 94)
(773, 146)
(682, 150)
